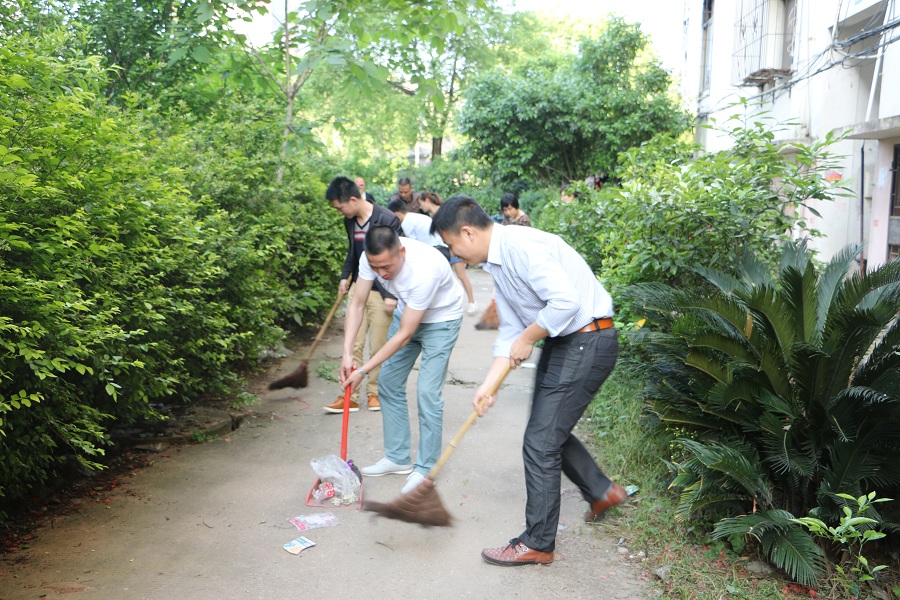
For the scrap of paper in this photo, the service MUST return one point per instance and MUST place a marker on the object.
(299, 545)
(314, 521)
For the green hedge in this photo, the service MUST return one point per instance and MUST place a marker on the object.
(139, 264)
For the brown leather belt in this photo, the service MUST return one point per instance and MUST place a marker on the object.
(597, 324)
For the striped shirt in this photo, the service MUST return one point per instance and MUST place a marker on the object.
(541, 279)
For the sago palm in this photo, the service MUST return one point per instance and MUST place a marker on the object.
(783, 386)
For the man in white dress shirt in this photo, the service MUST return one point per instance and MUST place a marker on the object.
(545, 290)
(427, 319)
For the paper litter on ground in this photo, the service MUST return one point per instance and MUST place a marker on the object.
(299, 545)
(314, 521)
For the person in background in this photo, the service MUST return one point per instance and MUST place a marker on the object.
(359, 215)
(426, 321)
(418, 227)
(567, 193)
(430, 203)
(361, 184)
(512, 214)
(545, 291)
(410, 198)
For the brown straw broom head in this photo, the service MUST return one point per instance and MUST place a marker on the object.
(422, 505)
(298, 378)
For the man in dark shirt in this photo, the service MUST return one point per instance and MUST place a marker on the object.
(359, 214)
(409, 197)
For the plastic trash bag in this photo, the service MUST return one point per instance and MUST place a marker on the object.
(332, 469)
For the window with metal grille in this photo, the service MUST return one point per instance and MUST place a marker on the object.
(707, 47)
(763, 41)
(893, 252)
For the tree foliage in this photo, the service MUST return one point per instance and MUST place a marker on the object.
(561, 119)
(783, 387)
(139, 264)
(155, 46)
(677, 208)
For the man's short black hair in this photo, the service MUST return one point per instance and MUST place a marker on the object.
(459, 211)
(380, 238)
(397, 206)
(404, 181)
(342, 189)
(509, 200)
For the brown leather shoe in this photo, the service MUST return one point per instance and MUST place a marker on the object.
(515, 554)
(338, 406)
(614, 497)
(374, 404)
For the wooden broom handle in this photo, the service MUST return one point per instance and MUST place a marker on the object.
(445, 455)
(324, 327)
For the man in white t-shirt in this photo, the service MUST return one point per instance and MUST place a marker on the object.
(426, 321)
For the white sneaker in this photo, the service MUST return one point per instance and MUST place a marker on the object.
(472, 309)
(385, 466)
(412, 482)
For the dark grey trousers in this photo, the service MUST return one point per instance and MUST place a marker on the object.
(570, 371)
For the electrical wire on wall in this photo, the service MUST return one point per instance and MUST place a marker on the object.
(836, 54)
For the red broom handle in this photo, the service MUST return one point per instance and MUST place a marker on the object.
(345, 425)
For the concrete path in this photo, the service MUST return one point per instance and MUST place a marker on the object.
(209, 521)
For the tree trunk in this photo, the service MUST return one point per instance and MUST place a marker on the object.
(436, 143)
(289, 110)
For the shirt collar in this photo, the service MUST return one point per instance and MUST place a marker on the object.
(498, 232)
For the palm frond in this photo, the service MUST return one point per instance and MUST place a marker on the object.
(781, 448)
(738, 465)
(771, 363)
(799, 290)
(794, 551)
(734, 346)
(773, 313)
(709, 364)
(734, 402)
(884, 354)
(721, 313)
(829, 281)
(854, 334)
(725, 282)
(854, 289)
(852, 462)
(755, 525)
(795, 255)
(754, 272)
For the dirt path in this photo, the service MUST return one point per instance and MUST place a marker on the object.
(208, 521)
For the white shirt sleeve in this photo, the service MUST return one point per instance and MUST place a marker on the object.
(365, 271)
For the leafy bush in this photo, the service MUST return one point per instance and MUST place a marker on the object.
(138, 264)
(674, 212)
(784, 389)
(458, 174)
(298, 236)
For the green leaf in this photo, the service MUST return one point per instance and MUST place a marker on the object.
(201, 54)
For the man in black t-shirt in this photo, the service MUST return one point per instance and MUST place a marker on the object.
(359, 214)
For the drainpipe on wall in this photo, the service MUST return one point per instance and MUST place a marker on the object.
(869, 107)
(862, 209)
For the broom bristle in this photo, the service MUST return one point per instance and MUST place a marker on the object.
(298, 378)
(422, 505)
(490, 319)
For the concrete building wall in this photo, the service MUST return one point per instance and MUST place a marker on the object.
(825, 88)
